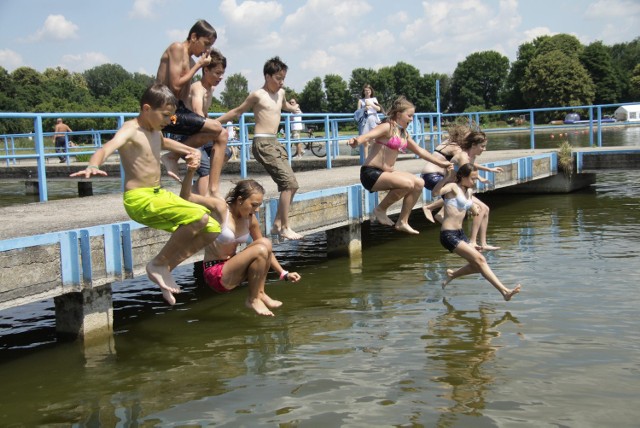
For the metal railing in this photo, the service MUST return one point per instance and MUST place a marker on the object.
(333, 129)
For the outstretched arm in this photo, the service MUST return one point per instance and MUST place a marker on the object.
(124, 134)
(381, 130)
(234, 113)
(415, 148)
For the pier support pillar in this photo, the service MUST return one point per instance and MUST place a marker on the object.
(84, 315)
(346, 240)
(85, 188)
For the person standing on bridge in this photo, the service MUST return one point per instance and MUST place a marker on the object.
(223, 267)
(139, 143)
(377, 173)
(457, 198)
(176, 70)
(60, 130)
(267, 104)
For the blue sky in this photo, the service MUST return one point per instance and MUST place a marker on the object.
(314, 37)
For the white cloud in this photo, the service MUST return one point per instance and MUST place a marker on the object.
(612, 9)
(145, 8)
(250, 13)
(319, 62)
(84, 61)
(10, 59)
(55, 27)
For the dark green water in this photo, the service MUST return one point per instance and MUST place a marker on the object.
(370, 343)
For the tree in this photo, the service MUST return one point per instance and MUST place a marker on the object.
(566, 43)
(426, 98)
(634, 83)
(236, 90)
(478, 80)
(312, 98)
(625, 57)
(596, 58)
(555, 79)
(513, 98)
(103, 79)
(28, 84)
(337, 93)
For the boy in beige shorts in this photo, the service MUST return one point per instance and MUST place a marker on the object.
(139, 142)
(267, 104)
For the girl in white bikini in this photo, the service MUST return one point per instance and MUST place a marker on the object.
(457, 198)
(224, 269)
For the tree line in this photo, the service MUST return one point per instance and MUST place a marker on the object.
(549, 71)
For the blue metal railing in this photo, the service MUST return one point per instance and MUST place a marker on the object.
(426, 130)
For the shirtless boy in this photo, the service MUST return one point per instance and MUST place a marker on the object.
(176, 71)
(139, 143)
(267, 104)
(200, 97)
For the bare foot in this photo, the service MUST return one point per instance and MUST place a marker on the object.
(487, 247)
(170, 163)
(287, 233)
(404, 227)
(381, 217)
(258, 306)
(275, 230)
(476, 246)
(271, 303)
(428, 214)
(512, 293)
(162, 277)
(449, 278)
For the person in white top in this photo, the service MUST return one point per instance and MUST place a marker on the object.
(373, 107)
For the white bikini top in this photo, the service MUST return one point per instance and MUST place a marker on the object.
(460, 202)
(228, 236)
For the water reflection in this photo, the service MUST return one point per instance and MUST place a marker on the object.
(459, 343)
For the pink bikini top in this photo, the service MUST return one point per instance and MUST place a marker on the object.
(395, 142)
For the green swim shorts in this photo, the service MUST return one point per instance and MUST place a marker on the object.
(160, 209)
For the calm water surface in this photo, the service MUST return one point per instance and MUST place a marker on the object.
(370, 343)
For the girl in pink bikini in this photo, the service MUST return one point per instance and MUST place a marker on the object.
(377, 173)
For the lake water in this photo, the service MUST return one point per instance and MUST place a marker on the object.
(371, 342)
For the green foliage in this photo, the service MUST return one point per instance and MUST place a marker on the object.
(565, 158)
(312, 98)
(634, 83)
(556, 79)
(103, 79)
(479, 80)
(596, 58)
(236, 90)
(338, 98)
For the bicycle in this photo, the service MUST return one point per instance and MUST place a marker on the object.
(316, 147)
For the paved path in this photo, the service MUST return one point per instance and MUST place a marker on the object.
(54, 216)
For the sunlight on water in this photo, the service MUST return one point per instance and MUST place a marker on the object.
(376, 343)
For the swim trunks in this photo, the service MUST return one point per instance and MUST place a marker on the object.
(160, 209)
(205, 159)
(451, 238)
(212, 270)
(431, 179)
(269, 152)
(369, 175)
(187, 122)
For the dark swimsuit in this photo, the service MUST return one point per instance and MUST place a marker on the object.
(368, 177)
(447, 157)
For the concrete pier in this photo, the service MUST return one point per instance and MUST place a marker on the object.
(73, 249)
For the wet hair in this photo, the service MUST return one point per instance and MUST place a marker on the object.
(473, 138)
(244, 189)
(203, 29)
(457, 132)
(216, 59)
(273, 66)
(465, 171)
(158, 95)
(365, 87)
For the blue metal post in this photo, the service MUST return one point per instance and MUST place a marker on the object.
(532, 133)
(42, 174)
(591, 126)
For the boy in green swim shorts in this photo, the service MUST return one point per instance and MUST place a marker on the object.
(139, 142)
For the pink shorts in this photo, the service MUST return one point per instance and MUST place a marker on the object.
(213, 275)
